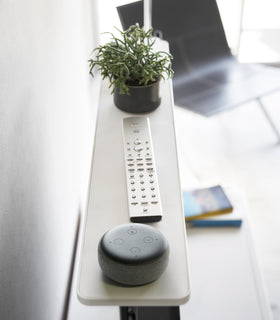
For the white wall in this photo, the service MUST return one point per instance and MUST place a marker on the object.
(47, 115)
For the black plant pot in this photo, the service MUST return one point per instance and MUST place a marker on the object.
(141, 99)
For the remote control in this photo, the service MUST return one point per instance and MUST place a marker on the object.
(144, 202)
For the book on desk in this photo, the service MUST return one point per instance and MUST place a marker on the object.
(208, 207)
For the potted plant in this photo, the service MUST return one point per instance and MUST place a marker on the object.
(133, 68)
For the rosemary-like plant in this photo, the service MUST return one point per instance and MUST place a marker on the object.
(131, 60)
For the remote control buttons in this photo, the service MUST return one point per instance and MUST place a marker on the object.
(137, 141)
(138, 148)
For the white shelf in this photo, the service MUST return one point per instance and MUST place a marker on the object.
(107, 207)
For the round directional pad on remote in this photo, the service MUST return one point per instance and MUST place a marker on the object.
(133, 254)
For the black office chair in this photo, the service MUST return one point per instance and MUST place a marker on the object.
(208, 79)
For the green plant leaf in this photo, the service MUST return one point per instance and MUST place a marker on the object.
(130, 60)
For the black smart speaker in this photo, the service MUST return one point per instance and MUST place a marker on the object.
(133, 254)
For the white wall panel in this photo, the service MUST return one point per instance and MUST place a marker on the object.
(47, 117)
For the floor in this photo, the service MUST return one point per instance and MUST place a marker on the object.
(239, 148)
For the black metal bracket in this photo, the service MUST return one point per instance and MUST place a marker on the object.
(149, 313)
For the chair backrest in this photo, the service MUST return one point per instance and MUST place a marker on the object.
(193, 29)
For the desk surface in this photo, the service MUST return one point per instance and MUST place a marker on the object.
(107, 207)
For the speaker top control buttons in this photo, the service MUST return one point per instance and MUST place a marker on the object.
(133, 254)
(148, 239)
(132, 231)
(135, 250)
(118, 241)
